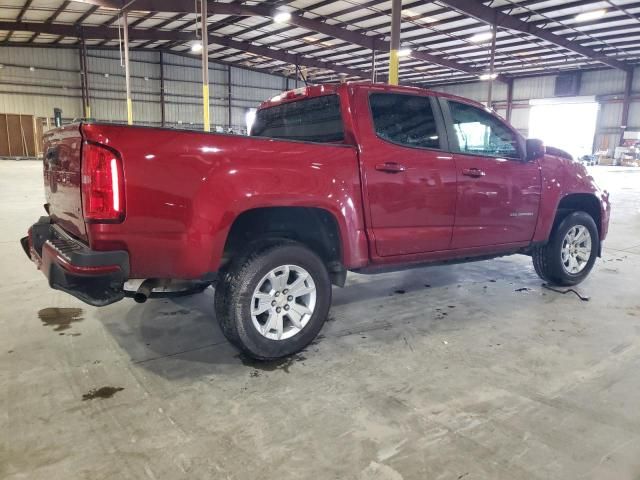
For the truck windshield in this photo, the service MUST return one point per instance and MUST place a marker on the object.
(315, 119)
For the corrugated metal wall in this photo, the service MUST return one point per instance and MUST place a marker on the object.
(54, 81)
(605, 85)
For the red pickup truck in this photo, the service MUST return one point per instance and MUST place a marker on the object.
(333, 178)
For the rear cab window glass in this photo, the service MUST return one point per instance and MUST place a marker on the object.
(480, 133)
(316, 119)
(404, 119)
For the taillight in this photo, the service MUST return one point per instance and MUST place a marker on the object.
(102, 184)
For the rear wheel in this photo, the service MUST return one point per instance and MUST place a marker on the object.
(569, 255)
(273, 301)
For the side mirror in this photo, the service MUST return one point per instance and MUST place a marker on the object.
(535, 149)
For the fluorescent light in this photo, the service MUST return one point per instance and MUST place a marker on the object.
(592, 15)
(481, 37)
(196, 47)
(326, 43)
(404, 52)
(415, 16)
(282, 17)
(488, 76)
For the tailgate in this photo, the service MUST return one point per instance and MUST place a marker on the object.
(62, 178)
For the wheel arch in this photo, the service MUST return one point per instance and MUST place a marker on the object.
(573, 202)
(580, 202)
(315, 227)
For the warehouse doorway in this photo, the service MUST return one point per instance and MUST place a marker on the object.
(567, 123)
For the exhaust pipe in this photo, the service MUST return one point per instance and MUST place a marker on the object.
(144, 291)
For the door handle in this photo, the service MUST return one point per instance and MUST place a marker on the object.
(473, 172)
(390, 167)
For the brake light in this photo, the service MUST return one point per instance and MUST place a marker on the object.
(102, 184)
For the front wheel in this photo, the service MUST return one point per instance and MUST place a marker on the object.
(569, 255)
(274, 301)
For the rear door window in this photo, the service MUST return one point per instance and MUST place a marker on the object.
(404, 119)
(315, 119)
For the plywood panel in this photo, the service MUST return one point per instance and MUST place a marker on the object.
(28, 132)
(4, 137)
(16, 142)
(20, 135)
(40, 126)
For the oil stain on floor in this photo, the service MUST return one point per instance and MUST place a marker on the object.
(270, 366)
(60, 318)
(102, 392)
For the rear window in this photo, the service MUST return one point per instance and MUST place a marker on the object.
(315, 119)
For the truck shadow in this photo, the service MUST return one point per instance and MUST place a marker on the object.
(180, 337)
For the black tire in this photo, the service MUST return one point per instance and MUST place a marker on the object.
(235, 290)
(547, 259)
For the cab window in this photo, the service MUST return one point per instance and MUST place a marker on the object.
(479, 133)
(314, 119)
(404, 119)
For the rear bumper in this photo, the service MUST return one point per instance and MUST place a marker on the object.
(96, 278)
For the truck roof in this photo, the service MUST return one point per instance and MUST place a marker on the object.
(310, 91)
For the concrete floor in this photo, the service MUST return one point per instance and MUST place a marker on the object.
(462, 376)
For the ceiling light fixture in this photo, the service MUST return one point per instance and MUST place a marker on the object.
(415, 16)
(592, 15)
(282, 17)
(488, 76)
(404, 52)
(481, 37)
(196, 47)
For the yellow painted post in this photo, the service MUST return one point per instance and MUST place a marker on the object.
(393, 67)
(127, 79)
(205, 107)
(205, 67)
(396, 12)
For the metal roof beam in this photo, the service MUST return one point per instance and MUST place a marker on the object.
(371, 42)
(314, 25)
(492, 15)
(108, 33)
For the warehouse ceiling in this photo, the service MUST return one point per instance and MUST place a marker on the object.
(444, 41)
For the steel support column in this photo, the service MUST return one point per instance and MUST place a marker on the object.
(205, 66)
(127, 79)
(86, 102)
(83, 75)
(491, 65)
(626, 103)
(162, 114)
(509, 99)
(229, 93)
(396, 12)
(373, 66)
